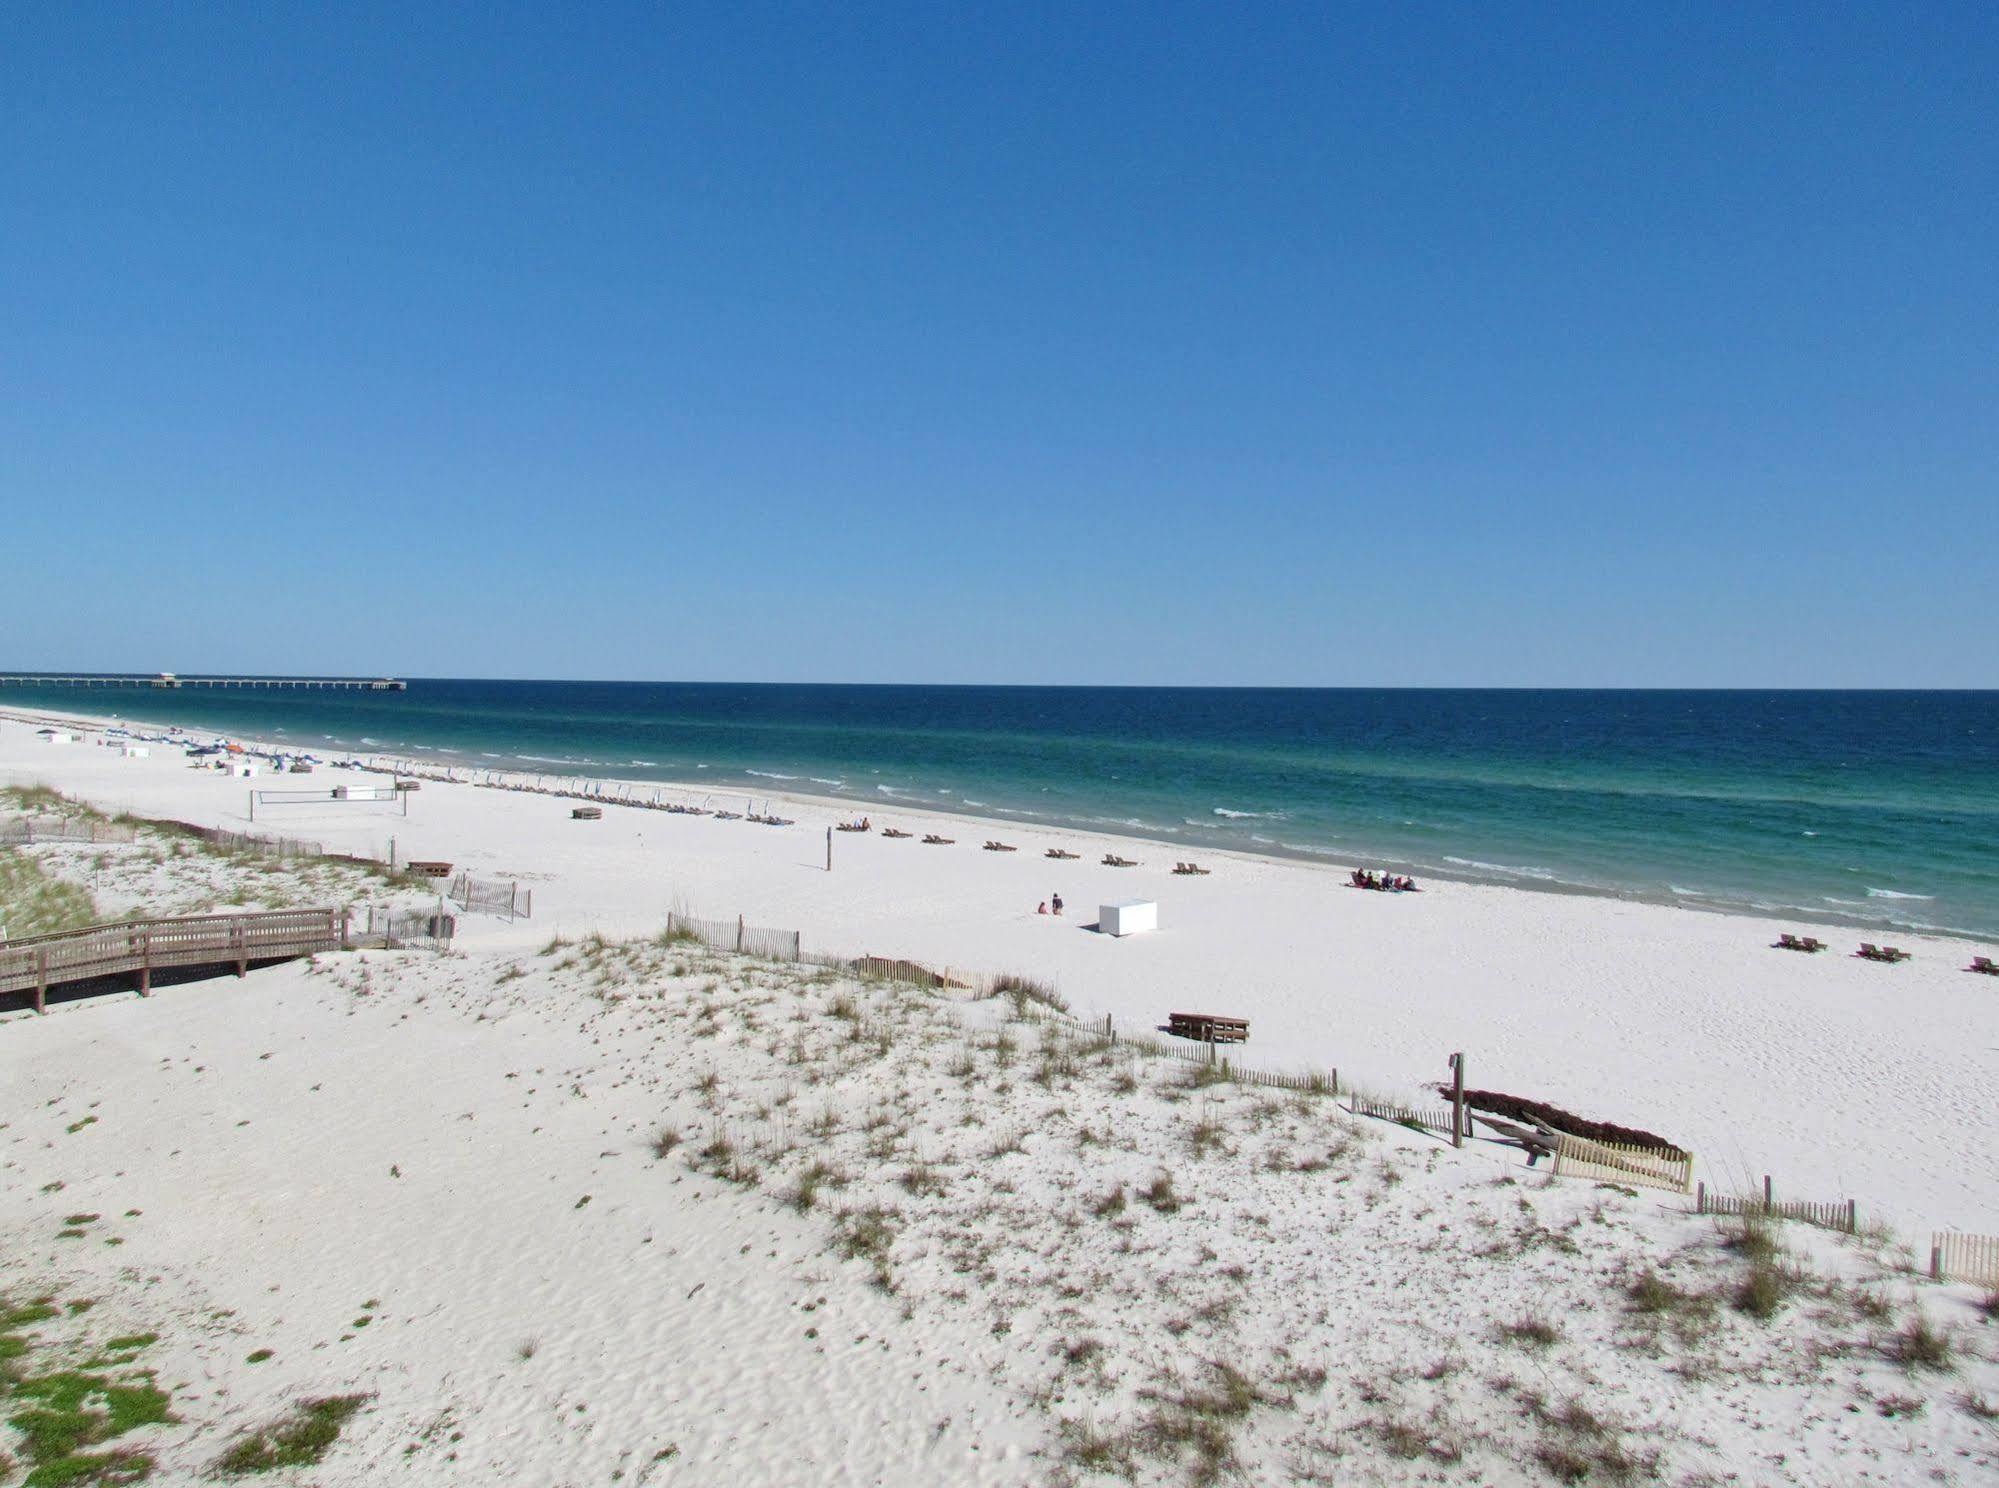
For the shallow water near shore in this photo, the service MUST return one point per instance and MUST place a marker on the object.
(1873, 808)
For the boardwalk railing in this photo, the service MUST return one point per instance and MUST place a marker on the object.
(1960, 1257)
(1618, 1162)
(138, 948)
(1841, 1214)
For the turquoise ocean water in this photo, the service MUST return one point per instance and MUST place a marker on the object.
(1879, 809)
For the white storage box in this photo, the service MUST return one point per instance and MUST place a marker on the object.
(1128, 918)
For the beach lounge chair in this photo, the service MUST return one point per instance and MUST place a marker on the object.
(893, 832)
(1112, 860)
(1185, 869)
(1000, 847)
(935, 841)
(1056, 852)
(1984, 964)
(1890, 953)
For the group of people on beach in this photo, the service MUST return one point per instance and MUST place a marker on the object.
(1055, 899)
(1393, 883)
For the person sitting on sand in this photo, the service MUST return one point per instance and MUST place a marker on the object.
(1056, 900)
(1042, 907)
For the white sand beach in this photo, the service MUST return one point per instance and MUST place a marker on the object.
(1841, 1078)
(569, 1204)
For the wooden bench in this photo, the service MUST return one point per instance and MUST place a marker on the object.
(1207, 1028)
(429, 867)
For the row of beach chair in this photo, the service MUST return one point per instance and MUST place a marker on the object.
(1110, 860)
(1886, 954)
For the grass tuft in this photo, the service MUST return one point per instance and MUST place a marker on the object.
(300, 1439)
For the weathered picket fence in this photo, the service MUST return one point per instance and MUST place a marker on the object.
(735, 935)
(1619, 1162)
(23, 831)
(1955, 1256)
(1840, 1214)
(1430, 1118)
(492, 896)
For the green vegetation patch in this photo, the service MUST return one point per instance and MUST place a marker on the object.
(299, 1440)
(61, 1415)
(34, 903)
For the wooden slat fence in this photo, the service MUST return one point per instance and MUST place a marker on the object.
(1955, 1256)
(492, 896)
(141, 947)
(1840, 1214)
(1433, 1118)
(390, 927)
(894, 970)
(27, 830)
(734, 935)
(1617, 1162)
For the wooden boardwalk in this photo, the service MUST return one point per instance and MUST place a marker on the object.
(138, 948)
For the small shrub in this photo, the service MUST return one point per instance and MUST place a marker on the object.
(1531, 1331)
(1160, 1194)
(1021, 990)
(1764, 1288)
(1923, 1345)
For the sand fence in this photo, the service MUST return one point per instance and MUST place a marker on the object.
(1840, 1214)
(491, 896)
(1955, 1256)
(25, 831)
(736, 936)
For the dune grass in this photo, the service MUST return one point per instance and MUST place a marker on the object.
(33, 902)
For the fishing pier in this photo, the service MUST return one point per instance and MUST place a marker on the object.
(168, 680)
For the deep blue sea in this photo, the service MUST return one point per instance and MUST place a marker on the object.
(1875, 808)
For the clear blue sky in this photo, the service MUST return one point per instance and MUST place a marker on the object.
(1587, 345)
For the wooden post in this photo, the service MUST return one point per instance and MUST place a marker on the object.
(1458, 1100)
(1936, 1262)
(739, 933)
(1336, 1082)
(1700, 1197)
(236, 931)
(1767, 1193)
(42, 980)
(146, 963)
(1852, 1218)
(829, 849)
